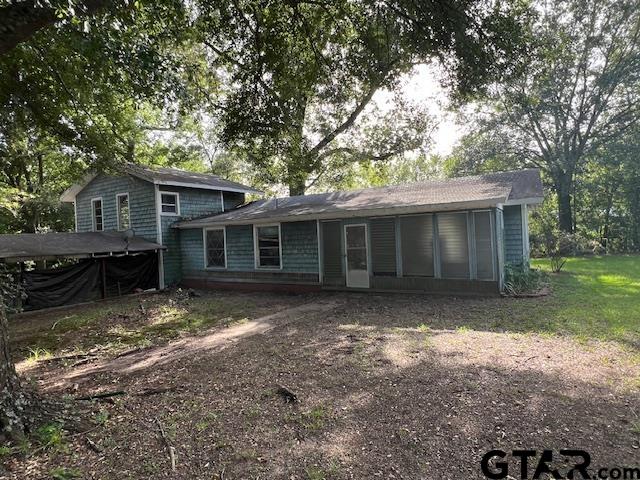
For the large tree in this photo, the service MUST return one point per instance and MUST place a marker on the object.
(580, 91)
(302, 74)
(73, 96)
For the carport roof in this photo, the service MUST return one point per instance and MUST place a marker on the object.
(31, 246)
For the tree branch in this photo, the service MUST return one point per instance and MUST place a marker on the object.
(19, 21)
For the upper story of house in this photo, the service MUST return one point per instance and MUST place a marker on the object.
(148, 200)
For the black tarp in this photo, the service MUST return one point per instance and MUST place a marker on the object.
(85, 281)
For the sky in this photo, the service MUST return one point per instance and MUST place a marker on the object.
(422, 85)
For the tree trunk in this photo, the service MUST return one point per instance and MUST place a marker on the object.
(564, 185)
(12, 398)
(297, 186)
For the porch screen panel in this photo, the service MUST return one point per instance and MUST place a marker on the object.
(416, 234)
(484, 250)
(331, 250)
(383, 246)
(454, 245)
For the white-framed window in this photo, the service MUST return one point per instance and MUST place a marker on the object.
(268, 251)
(169, 203)
(96, 214)
(122, 211)
(215, 248)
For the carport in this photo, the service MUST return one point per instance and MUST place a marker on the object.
(104, 264)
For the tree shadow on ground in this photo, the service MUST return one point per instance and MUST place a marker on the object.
(379, 398)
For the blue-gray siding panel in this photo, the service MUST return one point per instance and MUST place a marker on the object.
(193, 203)
(240, 248)
(141, 204)
(192, 251)
(513, 234)
(299, 247)
(172, 256)
(232, 200)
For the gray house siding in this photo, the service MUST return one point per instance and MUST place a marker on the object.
(191, 251)
(193, 203)
(299, 255)
(513, 246)
(232, 200)
(141, 204)
(299, 247)
(240, 248)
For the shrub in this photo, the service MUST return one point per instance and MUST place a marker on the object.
(520, 278)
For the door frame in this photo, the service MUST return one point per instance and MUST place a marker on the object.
(346, 253)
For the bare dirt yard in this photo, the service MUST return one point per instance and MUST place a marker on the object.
(387, 386)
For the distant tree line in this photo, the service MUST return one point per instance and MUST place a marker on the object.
(574, 113)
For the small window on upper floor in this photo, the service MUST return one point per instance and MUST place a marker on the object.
(122, 205)
(169, 204)
(96, 210)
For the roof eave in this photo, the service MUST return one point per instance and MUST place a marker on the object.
(70, 194)
(205, 186)
(525, 201)
(356, 213)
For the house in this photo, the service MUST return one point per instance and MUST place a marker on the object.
(147, 201)
(152, 227)
(452, 235)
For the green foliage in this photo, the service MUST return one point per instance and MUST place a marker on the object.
(63, 473)
(520, 279)
(51, 436)
(305, 73)
(12, 292)
(570, 113)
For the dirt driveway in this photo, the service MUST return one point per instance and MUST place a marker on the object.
(388, 386)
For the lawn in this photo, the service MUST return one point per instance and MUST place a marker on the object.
(387, 386)
(596, 297)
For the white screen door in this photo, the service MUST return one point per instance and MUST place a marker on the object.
(356, 251)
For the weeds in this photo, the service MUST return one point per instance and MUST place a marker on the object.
(521, 279)
(37, 354)
(61, 473)
(315, 473)
(314, 419)
(51, 437)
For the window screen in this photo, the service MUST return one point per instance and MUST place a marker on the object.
(484, 250)
(169, 203)
(97, 215)
(215, 248)
(383, 246)
(123, 212)
(331, 250)
(416, 233)
(268, 246)
(454, 245)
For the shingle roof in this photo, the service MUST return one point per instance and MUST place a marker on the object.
(70, 244)
(174, 176)
(481, 191)
(167, 176)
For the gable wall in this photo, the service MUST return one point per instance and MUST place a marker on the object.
(141, 204)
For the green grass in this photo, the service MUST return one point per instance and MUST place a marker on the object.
(593, 297)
